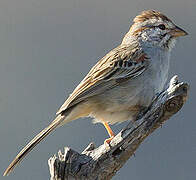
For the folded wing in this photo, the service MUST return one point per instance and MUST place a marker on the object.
(120, 64)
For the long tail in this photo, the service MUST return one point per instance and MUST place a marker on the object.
(33, 143)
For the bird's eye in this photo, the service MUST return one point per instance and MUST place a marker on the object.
(162, 27)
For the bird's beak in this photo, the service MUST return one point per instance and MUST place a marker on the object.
(177, 32)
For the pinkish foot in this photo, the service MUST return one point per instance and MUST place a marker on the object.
(107, 141)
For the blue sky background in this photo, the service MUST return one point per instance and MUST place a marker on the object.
(47, 47)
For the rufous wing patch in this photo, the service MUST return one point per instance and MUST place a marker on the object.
(141, 58)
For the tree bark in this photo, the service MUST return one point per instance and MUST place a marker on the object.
(103, 162)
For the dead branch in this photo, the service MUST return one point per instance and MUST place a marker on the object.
(103, 162)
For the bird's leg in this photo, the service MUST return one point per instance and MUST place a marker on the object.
(110, 132)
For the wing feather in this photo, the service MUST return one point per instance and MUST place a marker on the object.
(120, 64)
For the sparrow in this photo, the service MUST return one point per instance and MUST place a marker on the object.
(123, 82)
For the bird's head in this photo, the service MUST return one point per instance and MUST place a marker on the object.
(154, 29)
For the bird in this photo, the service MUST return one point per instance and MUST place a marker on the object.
(122, 83)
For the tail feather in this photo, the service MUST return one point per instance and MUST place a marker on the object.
(33, 143)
